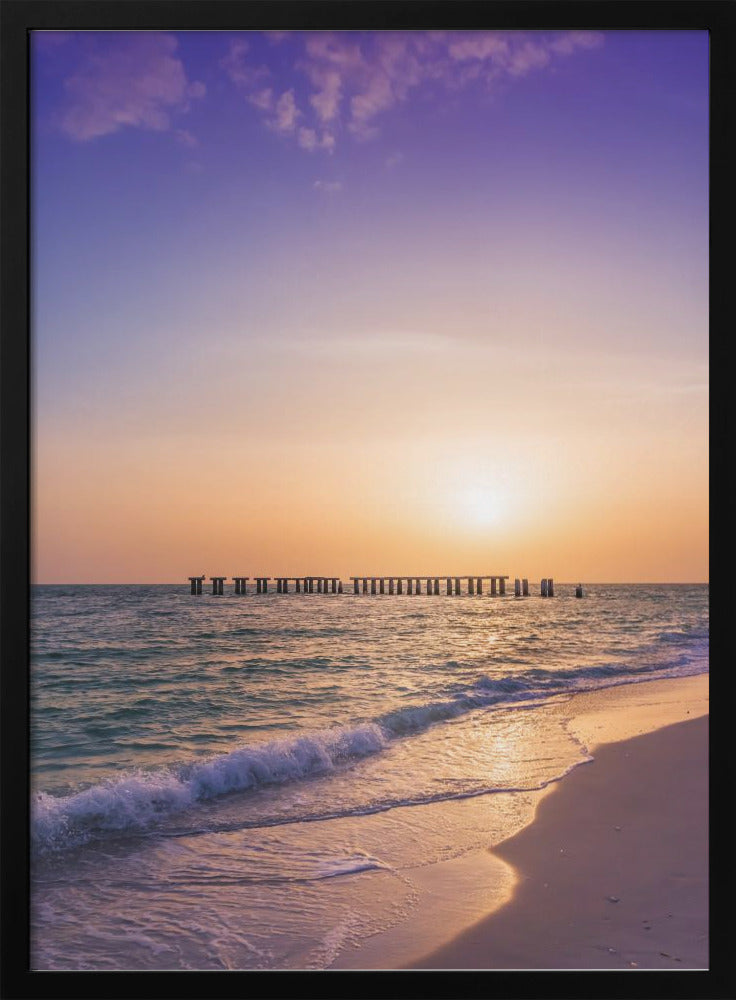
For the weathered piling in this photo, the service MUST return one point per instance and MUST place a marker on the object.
(494, 586)
(196, 585)
(217, 582)
(543, 587)
(579, 590)
(240, 584)
(525, 587)
(550, 587)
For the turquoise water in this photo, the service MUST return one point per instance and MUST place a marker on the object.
(248, 782)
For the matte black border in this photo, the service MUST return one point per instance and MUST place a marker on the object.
(17, 17)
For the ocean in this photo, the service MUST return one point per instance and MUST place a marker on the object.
(258, 782)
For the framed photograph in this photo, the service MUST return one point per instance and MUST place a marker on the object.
(356, 400)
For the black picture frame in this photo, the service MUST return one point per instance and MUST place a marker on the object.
(17, 19)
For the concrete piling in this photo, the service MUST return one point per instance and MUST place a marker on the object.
(517, 587)
(525, 587)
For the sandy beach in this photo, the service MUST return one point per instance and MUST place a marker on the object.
(613, 871)
(610, 872)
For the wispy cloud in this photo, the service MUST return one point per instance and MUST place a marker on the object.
(329, 187)
(351, 79)
(136, 80)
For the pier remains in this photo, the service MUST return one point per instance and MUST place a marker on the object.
(429, 585)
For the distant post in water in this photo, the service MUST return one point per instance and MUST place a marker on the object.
(390, 585)
(471, 586)
(525, 587)
(339, 586)
(355, 585)
(579, 590)
(502, 586)
(196, 585)
(494, 586)
(217, 585)
(517, 587)
(550, 587)
(437, 585)
(399, 586)
(408, 585)
(448, 582)
(480, 585)
(457, 585)
(543, 588)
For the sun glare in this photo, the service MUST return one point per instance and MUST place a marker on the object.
(479, 506)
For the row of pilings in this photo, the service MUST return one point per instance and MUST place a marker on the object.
(495, 585)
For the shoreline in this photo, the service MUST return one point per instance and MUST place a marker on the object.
(611, 872)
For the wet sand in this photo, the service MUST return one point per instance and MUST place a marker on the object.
(613, 871)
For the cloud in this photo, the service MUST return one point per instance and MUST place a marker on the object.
(329, 187)
(309, 140)
(240, 72)
(353, 78)
(133, 80)
(285, 113)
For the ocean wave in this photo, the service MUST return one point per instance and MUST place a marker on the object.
(138, 800)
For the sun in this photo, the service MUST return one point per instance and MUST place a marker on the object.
(479, 506)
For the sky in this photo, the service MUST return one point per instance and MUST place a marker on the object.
(363, 303)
